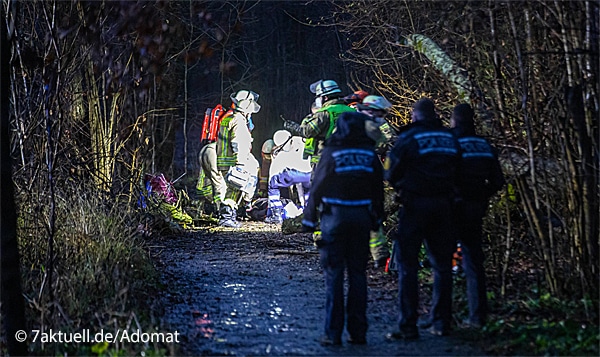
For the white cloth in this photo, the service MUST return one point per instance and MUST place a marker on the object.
(251, 165)
(241, 138)
(290, 157)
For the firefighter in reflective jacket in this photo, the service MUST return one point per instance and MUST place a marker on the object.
(348, 188)
(318, 126)
(232, 148)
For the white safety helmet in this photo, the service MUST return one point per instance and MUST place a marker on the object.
(297, 143)
(243, 94)
(324, 87)
(267, 146)
(374, 102)
(281, 137)
(247, 106)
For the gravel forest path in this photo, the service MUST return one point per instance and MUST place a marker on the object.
(257, 292)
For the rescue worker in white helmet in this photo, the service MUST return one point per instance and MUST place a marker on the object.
(377, 129)
(318, 126)
(232, 148)
(376, 107)
(242, 95)
(288, 168)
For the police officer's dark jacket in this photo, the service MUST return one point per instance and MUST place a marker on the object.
(424, 160)
(349, 172)
(481, 174)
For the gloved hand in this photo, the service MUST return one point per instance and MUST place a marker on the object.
(291, 126)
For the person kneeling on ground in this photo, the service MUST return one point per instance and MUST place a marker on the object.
(287, 168)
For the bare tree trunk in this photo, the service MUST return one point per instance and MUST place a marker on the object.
(509, 239)
(499, 92)
(51, 72)
(103, 111)
(186, 93)
(185, 118)
(584, 168)
(575, 189)
(532, 204)
(11, 294)
(444, 63)
(584, 126)
(20, 126)
(500, 112)
(533, 67)
(586, 244)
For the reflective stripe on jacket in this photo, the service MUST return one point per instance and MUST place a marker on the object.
(481, 175)
(333, 110)
(424, 160)
(234, 141)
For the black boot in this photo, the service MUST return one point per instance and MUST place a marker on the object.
(210, 208)
(243, 209)
(228, 217)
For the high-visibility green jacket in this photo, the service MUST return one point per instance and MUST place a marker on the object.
(319, 126)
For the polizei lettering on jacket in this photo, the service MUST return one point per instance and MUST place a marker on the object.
(436, 142)
(356, 160)
(475, 147)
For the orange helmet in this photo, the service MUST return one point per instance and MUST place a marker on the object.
(355, 98)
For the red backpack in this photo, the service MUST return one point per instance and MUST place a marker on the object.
(211, 124)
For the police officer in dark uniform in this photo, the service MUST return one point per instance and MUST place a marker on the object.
(348, 188)
(422, 167)
(481, 177)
